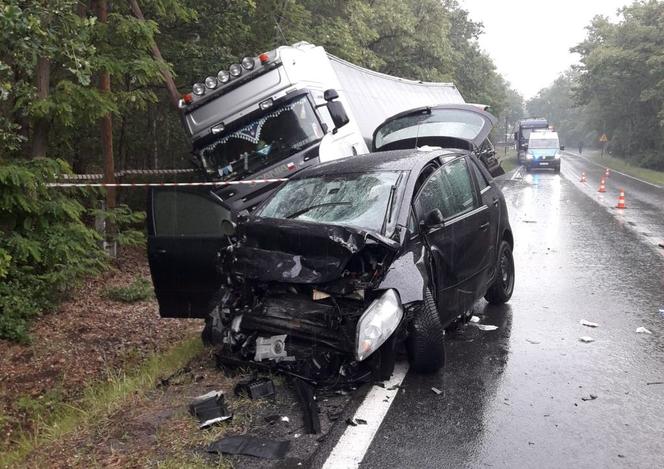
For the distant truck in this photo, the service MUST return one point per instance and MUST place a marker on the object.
(544, 150)
(265, 117)
(522, 133)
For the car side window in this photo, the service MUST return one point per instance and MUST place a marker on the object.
(432, 196)
(457, 183)
(481, 180)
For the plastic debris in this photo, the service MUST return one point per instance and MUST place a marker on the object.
(642, 330)
(305, 394)
(272, 419)
(361, 421)
(583, 322)
(436, 390)
(586, 339)
(533, 341)
(209, 409)
(251, 446)
(355, 422)
(654, 382)
(474, 319)
(485, 327)
(257, 388)
(591, 397)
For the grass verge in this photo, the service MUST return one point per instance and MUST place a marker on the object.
(508, 161)
(101, 399)
(617, 164)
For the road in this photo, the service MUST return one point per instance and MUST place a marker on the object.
(522, 395)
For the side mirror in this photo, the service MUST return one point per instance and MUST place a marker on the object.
(228, 227)
(338, 114)
(330, 95)
(433, 218)
(562, 147)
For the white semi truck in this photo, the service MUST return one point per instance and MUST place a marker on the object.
(262, 118)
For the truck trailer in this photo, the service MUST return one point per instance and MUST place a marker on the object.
(265, 117)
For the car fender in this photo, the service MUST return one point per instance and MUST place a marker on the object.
(408, 275)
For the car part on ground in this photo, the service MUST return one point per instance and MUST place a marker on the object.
(251, 446)
(256, 388)
(210, 409)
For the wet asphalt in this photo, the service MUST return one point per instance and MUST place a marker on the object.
(520, 396)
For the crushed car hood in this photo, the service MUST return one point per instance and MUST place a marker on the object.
(274, 250)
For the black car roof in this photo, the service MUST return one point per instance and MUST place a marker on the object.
(396, 160)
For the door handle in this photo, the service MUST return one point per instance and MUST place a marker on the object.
(484, 226)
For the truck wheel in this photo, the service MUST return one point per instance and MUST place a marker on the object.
(502, 287)
(426, 338)
(556, 169)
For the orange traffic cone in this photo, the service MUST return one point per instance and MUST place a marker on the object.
(583, 177)
(602, 186)
(621, 199)
(607, 173)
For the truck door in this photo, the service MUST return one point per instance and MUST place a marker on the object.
(184, 242)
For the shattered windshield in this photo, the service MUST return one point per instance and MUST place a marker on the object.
(278, 134)
(439, 122)
(543, 143)
(359, 200)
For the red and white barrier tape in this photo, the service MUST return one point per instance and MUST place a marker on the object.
(164, 184)
(129, 172)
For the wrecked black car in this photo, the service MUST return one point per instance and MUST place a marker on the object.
(349, 260)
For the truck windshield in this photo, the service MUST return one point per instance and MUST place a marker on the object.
(360, 200)
(281, 132)
(543, 143)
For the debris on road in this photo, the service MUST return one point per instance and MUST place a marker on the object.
(209, 409)
(355, 422)
(485, 327)
(307, 398)
(436, 390)
(250, 446)
(533, 341)
(585, 339)
(642, 330)
(591, 397)
(583, 322)
(272, 419)
(654, 382)
(474, 319)
(530, 221)
(256, 388)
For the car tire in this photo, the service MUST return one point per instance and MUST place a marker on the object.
(502, 287)
(426, 338)
(556, 169)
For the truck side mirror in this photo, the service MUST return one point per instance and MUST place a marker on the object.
(330, 95)
(338, 115)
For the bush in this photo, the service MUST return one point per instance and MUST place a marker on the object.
(139, 290)
(45, 247)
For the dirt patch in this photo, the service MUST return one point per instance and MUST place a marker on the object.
(87, 339)
(156, 430)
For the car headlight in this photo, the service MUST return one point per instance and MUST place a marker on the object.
(529, 156)
(377, 324)
(557, 155)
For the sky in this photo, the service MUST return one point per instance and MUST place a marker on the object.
(529, 41)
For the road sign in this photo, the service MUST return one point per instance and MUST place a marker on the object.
(604, 138)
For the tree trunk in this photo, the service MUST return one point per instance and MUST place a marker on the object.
(40, 131)
(107, 122)
(156, 53)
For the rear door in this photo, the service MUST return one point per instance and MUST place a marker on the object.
(460, 246)
(184, 242)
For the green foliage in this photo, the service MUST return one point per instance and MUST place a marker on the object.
(139, 290)
(44, 245)
(619, 87)
(127, 224)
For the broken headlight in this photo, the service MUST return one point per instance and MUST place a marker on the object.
(377, 324)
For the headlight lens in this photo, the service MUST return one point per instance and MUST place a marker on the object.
(198, 89)
(557, 155)
(377, 324)
(211, 82)
(248, 63)
(223, 76)
(236, 70)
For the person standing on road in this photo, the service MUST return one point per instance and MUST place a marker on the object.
(580, 147)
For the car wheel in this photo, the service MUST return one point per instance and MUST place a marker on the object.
(426, 338)
(556, 169)
(502, 287)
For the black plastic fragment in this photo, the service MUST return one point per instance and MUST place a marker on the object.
(305, 394)
(250, 446)
(209, 409)
(258, 388)
(351, 422)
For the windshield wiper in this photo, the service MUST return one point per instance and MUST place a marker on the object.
(390, 204)
(311, 207)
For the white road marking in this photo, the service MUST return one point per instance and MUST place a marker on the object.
(355, 441)
(614, 170)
